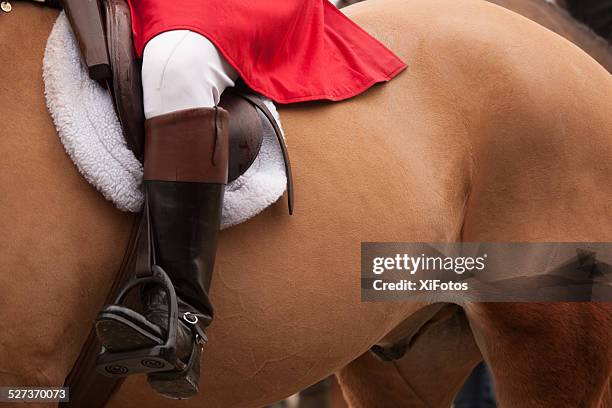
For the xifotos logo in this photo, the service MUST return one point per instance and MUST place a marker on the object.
(412, 264)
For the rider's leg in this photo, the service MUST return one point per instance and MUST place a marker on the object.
(182, 69)
(185, 172)
(186, 164)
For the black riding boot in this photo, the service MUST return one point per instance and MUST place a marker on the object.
(186, 166)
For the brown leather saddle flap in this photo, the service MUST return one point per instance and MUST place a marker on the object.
(126, 86)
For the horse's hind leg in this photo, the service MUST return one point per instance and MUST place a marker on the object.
(437, 363)
(368, 382)
(546, 355)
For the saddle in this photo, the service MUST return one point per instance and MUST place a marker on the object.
(249, 115)
(105, 39)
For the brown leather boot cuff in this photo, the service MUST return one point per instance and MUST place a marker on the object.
(188, 145)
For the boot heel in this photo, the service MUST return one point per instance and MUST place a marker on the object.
(179, 384)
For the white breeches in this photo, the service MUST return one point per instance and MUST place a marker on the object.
(182, 69)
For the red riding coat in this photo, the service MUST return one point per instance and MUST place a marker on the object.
(287, 50)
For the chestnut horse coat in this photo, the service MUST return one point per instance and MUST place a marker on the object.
(289, 50)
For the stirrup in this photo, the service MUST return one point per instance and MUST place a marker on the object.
(180, 384)
(160, 355)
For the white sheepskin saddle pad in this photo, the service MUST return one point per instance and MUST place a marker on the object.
(89, 129)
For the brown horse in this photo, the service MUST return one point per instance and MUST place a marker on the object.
(498, 131)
